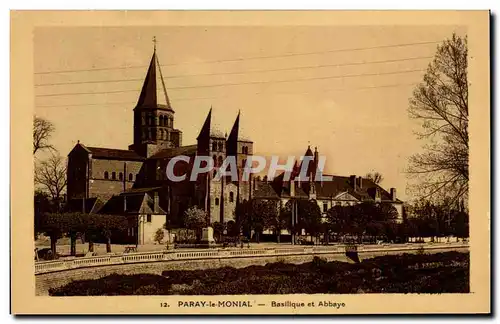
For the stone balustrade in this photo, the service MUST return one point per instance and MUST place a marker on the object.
(172, 255)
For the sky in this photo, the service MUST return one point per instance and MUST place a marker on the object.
(342, 89)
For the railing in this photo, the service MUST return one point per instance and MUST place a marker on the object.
(168, 255)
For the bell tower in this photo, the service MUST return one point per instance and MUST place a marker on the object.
(153, 115)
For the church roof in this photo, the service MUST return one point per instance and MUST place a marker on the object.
(113, 154)
(154, 93)
(171, 152)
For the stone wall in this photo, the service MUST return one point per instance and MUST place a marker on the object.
(56, 279)
(98, 185)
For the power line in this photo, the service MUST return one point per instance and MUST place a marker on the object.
(246, 58)
(217, 97)
(244, 72)
(237, 84)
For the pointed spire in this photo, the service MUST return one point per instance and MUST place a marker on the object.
(232, 140)
(205, 129)
(154, 93)
(308, 151)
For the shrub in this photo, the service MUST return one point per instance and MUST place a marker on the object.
(159, 235)
(407, 273)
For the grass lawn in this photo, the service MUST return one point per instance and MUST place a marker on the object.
(408, 273)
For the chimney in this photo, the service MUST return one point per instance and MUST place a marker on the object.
(292, 188)
(393, 194)
(360, 182)
(156, 203)
(352, 180)
(377, 195)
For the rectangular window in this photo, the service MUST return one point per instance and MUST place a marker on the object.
(325, 207)
(148, 218)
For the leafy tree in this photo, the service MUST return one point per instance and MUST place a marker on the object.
(43, 205)
(42, 131)
(309, 217)
(440, 103)
(159, 235)
(219, 230)
(109, 224)
(232, 229)
(243, 214)
(337, 219)
(461, 224)
(195, 219)
(263, 215)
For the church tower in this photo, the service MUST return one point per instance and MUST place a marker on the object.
(153, 115)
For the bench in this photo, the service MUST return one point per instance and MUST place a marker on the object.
(129, 249)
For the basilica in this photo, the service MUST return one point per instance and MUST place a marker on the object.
(132, 182)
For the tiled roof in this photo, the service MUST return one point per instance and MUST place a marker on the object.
(171, 152)
(265, 190)
(324, 189)
(135, 204)
(114, 154)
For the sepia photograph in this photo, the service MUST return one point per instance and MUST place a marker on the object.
(200, 166)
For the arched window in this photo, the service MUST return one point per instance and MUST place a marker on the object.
(215, 173)
(215, 161)
(231, 196)
(113, 175)
(130, 177)
(221, 146)
(120, 176)
(162, 120)
(214, 146)
(219, 161)
(106, 175)
(153, 119)
(216, 201)
(160, 137)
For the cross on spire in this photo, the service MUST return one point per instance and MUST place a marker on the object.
(154, 43)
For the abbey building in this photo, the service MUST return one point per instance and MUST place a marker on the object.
(132, 182)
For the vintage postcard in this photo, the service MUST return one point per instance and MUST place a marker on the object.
(223, 162)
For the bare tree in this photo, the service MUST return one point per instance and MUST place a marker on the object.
(376, 177)
(42, 130)
(50, 174)
(440, 103)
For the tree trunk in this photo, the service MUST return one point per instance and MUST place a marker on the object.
(279, 236)
(73, 243)
(91, 246)
(53, 241)
(257, 236)
(82, 237)
(108, 244)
